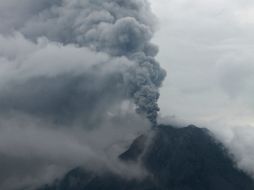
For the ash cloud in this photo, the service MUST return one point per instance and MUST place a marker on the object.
(118, 29)
(69, 68)
(34, 152)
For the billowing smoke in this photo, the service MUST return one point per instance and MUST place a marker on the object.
(117, 30)
(73, 75)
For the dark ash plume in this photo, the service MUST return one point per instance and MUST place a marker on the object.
(72, 74)
(117, 28)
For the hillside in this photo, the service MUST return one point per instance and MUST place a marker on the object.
(176, 159)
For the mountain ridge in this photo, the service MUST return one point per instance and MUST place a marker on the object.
(176, 159)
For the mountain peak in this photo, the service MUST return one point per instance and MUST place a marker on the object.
(176, 158)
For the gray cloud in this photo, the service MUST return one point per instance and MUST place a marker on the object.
(73, 75)
(34, 151)
(60, 82)
(117, 28)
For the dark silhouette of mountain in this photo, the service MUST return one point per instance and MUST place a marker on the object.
(176, 158)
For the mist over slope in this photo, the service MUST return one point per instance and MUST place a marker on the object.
(176, 159)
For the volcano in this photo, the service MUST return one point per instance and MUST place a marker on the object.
(176, 159)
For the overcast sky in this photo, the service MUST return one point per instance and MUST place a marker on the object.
(207, 48)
